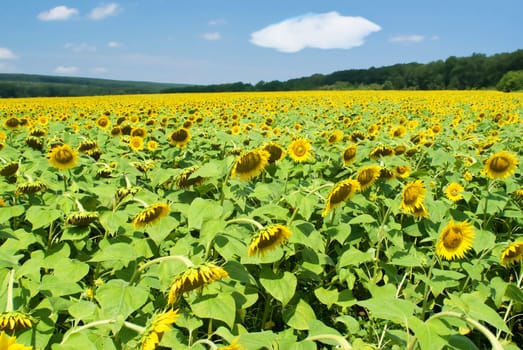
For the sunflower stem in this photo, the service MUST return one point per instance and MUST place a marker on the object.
(93, 324)
(207, 342)
(79, 205)
(142, 202)
(511, 303)
(161, 259)
(343, 343)
(266, 311)
(10, 282)
(225, 181)
(427, 289)
(496, 345)
(247, 221)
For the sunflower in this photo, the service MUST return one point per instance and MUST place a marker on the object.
(140, 131)
(87, 145)
(152, 145)
(349, 154)
(15, 320)
(103, 122)
(402, 171)
(83, 218)
(115, 131)
(500, 165)
(386, 174)
(136, 143)
(455, 240)
(184, 180)
(250, 164)
(357, 136)
(335, 136)
(381, 151)
(150, 215)
(9, 169)
(340, 193)
(232, 346)
(63, 157)
(30, 187)
(180, 137)
(159, 325)
(11, 123)
(413, 195)
(268, 239)
(454, 191)
(195, 277)
(420, 212)
(512, 254)
(299, 150)
(9, 343)
(34, 142)
(400, 149)
(276, 151)
(368, 175)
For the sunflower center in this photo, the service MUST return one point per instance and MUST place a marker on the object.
(349, 153)
(410, 195)
(64, 156)
(300, 150)
(500, 164)
(452, 238)
(366, 176)
(248, 163)
(517, 251)
(179, 135)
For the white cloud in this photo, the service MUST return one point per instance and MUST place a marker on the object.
(6, 54)
(66, 70)
(434, 37)
(59, 13)
(105, 11)
(323, 31)
(114, 44)
(99, 70)
(79, 48)
(414, 38)
(216, 22)
(212, 36)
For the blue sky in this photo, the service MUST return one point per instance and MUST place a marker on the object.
(212, 41)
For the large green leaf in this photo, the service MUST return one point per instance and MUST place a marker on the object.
(40, 216)
(118, 299)
(216, 306)
(281, 286)
(430, 334)
(298, 316)
(392, 309)
(202, 210)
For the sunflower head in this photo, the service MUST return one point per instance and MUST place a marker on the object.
(269, 239)
(150, 215)
(180, 137)
(402, 171)
(160, 324)
(87, 145)
(9, 169)
(30, 187)
(500, 165)
(381, 151)
(250, 164)
(14, 320)
(9, 343)
(335, 136)
(512, 254)
(184, 180)
(368, 175)
(103, 122)
(413, 196)
(340, 193)
(349, 154)
(81, 218)
(63, 157)
(195, 277)
(300, 150)
(136, 143)
(455, 240)
(34, 142)
(276, 151)
(454, 191)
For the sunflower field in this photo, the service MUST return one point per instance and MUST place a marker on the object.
(295, 220)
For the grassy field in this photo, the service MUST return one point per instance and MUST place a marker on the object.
(296, 220)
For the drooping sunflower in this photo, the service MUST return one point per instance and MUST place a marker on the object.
(136, 143)
(250, 164)
(180, 137)
(160, 324)
(420, 212)
(276, 151)
(195, 277)
(139, 131)
(30, 187)
(268, 239)
(454, 191)
(500, 165)
(381, 151)
(82, 218)
(368, 175)
(150, 215)
(15, 320)
(184, 180)
(9, 169)
(87, 145)
(11, 123)
(413, 196)
(9, 343)
(402, 171)
(455, 240)
(34, 142)
(335, 136)
(512, 254)
(63, 157)
(349, 154)
(340, 193)
(300, 150)
(399, 150)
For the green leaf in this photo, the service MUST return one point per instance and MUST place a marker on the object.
(40, 216)
(477, 309)
(258, 340)
(118, 298)
(58, 286)
(325, 296)
(82, 310)
(298, 316)
(216, 306)
(362, 219)
(428, 333)
(121, 252)
(77, 341)
(461, 342)
(281, 286)
(202, 210)
(514, 293)
(7, 213)
(112, 221)
(316, 327)
(392, 309)
(212, 169)
(355, 257)
(162, 229)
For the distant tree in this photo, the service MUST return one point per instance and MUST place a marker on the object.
(511, 81)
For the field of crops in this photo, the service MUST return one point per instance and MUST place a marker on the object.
(301, 220)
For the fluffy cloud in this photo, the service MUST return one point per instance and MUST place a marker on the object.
(323, 31)
(216, 22)
(6, 54)
(79, 48)
(414, 38)
(59, 13)
(212, 36)
(114, 44)
(105, 11)
(66, 70)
